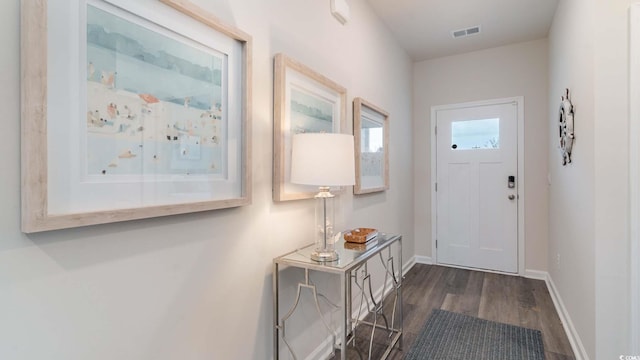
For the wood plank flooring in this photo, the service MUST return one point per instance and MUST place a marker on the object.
(502, 298)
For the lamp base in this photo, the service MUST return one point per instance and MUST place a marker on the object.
(324, 255)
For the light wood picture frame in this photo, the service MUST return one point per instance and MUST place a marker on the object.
(371, 132)
(304, 101)
(98, 146)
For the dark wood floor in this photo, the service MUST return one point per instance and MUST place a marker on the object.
(506, 299)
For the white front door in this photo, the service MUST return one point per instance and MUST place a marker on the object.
(477, 194)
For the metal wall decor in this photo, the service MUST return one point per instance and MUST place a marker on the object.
(565, 127)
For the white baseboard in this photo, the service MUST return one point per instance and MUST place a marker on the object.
(408, 265)
(323, 351)
(576, 344)
(536, 275)
(424, 260)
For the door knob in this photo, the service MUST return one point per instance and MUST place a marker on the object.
(511, 197)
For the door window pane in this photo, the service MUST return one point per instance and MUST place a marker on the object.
(475, 134)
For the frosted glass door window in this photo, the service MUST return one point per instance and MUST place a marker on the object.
(475, 134)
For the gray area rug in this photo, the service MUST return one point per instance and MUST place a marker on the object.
(451, 336)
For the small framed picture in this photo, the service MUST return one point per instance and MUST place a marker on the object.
(371, 131)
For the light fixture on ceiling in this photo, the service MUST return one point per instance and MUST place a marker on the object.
(340, 10)
(475, 30)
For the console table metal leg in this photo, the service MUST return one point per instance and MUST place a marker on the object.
(345, 305)
(276, 316)
(349, 302)
(281, 325)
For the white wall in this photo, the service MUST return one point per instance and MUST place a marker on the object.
(589, 207)
(514, 70)
(195, 286)
(571, 195)
(612, 246)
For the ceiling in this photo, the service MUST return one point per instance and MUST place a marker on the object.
(423, 27)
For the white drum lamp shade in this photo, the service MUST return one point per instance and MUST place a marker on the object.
(323, 159)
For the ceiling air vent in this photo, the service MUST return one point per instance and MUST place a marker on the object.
(465, 32)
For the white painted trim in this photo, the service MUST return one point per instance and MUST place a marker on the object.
(634, 175)
(324, 350)
(576, 344)
(424, 260)
(408, 265)
(434, 179)
(519, 100)
(478, 269)
(536, 274)
(521, 198)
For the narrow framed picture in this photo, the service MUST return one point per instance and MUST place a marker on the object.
(304, 102)
(131, 110)
(371, 131)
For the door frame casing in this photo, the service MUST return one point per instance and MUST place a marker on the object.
(519, 102)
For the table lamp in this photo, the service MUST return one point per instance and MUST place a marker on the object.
(323, 160)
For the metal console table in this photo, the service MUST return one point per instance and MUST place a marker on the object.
(352, 258)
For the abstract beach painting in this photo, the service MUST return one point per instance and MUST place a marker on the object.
(155, 100)
(310, 114)
(131, 110)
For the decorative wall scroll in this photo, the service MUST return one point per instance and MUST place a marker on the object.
(565, 126)
(304, 101)
(131, 110)
(371, 130)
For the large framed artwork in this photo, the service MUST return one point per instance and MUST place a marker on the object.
(130, 110)
(371, 131)
(304, 101)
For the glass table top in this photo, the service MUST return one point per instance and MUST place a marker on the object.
(349, 254)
